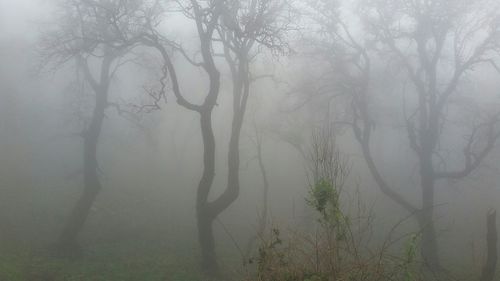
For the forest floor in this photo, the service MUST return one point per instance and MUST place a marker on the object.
(103, 263)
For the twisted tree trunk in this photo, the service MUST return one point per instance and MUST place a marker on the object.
(68, 245)
(205, 214)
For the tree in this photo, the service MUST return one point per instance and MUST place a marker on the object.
(437, 44)
(239, 26)
(89, 34)
(248, 27)
(205, 15)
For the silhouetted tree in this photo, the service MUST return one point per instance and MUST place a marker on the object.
(247, 29)
(94, 36)
(205, 15)
(239, 26)
(436, 44)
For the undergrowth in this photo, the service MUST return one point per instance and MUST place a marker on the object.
(334, 251)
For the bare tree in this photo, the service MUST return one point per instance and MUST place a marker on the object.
(437, 44)
(239, 26)
(326, 162)
(90, 35)
(247, 27)
(205, 15)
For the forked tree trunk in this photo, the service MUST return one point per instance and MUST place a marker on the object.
(205, 215)
(207, 211)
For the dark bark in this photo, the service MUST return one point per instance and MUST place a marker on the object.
(209, 211)
(205, 215)
(488, 272)
(207, 242)
(68, 240)
(240, 95)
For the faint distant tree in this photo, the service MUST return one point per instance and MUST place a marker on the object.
(437, 44)
(263, 220)
(95, 36)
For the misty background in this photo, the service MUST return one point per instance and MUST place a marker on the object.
(150, 162)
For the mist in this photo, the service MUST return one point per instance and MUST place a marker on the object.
(269, 140)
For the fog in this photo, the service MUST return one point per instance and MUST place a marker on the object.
(249, 140)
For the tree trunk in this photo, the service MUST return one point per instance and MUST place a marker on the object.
(429, 247)
(207, 242)
(241, 90)
(68, 244)
(205, 215)
(233, 179)
(207, 211)
(68, 240)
